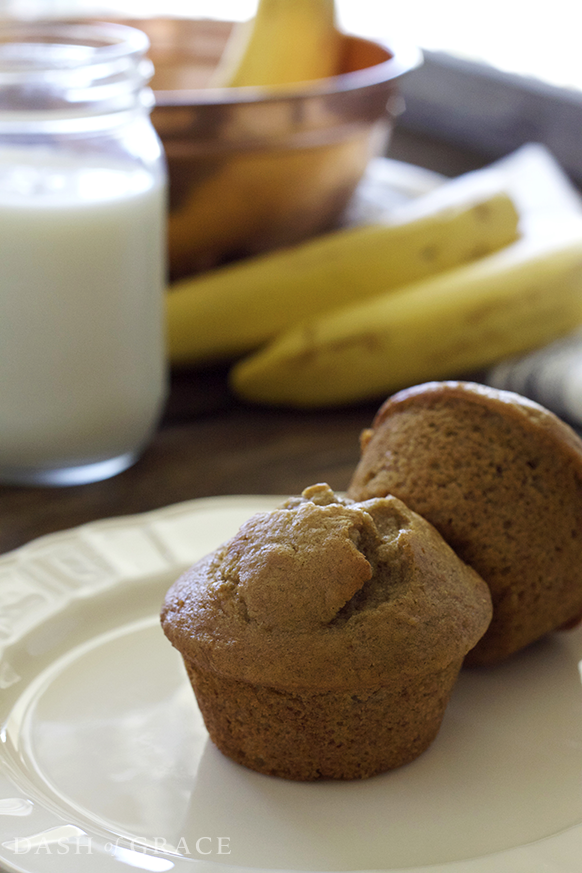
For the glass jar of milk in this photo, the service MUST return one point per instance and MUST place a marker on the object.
(82, 252)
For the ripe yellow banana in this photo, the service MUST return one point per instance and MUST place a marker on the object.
(516, 299)
(287, 41)
(232, 310)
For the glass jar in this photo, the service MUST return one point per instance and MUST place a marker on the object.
(82, 252)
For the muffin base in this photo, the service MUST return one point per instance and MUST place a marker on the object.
(306, 735)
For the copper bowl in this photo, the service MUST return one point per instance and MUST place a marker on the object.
(250, 170)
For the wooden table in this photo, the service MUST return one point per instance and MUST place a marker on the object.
(210, 444)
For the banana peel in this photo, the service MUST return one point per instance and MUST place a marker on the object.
(288, 41)
(232, 310)
(470, 317)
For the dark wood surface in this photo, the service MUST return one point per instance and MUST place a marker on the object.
(210, 444)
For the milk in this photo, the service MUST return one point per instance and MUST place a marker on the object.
(82, 363)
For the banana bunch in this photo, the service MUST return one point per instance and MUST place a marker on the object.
(287, 41)
(469, 317)
(235, 309)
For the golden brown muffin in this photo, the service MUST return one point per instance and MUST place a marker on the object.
(500, 477)
(323, 640)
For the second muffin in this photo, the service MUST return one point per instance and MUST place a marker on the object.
(500, 477)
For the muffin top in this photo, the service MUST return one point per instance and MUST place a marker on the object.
(499, 409)
(324, 592)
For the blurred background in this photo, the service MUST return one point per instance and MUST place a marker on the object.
(512, 35)
(495, 76)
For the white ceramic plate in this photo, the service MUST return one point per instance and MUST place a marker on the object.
(105, 764)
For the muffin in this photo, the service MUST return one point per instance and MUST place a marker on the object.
(500, 477)
(324, 639)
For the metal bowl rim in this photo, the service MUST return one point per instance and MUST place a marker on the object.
(404, 58)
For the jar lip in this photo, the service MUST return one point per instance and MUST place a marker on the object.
(56, 72)
(98, 43)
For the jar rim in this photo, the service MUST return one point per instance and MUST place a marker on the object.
(55, 72)
(99, 43)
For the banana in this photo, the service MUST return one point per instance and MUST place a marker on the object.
(234, 309)
(514, 300)
(287, 41)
